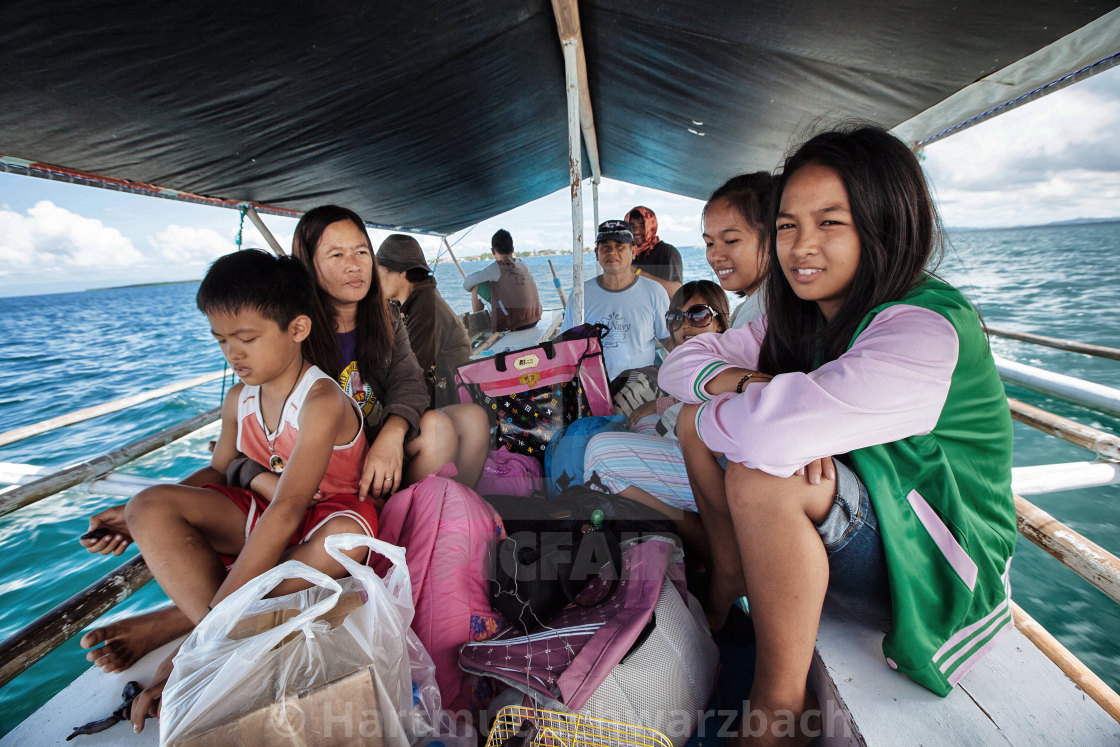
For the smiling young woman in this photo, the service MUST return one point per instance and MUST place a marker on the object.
(737, 224)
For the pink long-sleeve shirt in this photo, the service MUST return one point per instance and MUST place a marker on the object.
(891, 384)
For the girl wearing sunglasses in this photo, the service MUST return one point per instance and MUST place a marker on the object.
(646, 465)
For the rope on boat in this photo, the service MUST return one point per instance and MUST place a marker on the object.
(1082, 676)
(24, 495)
(1100, 443)
(123, 403)
(53, 628)
(1081, 555)
(1054, 342)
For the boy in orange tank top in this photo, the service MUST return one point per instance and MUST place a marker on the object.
(284, 414)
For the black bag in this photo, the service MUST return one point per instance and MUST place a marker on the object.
(555, 555)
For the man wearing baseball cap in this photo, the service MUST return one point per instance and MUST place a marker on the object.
(507, 283)
(631, 306)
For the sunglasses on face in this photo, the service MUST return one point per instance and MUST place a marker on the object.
(700, 315)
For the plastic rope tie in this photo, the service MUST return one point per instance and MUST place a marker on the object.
(241, 226)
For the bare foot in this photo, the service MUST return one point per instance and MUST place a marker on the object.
(128, 640)
(785, 727)
(722, 593)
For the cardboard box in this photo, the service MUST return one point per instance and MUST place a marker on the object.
(341, 712)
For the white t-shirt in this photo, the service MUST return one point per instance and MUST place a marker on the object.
(752, 307)
(635, 317)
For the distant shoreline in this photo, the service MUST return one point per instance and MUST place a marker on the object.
(488, 257)
(1054, 224)
(144, 285)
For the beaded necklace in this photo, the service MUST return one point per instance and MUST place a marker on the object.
(275, 461)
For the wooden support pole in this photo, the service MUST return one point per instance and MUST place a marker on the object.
(25, 495)
(568, 26)
(1097, 441)
(575, 177)
(1080, 554)
(1082, 676)
(1053, 342)
(454, 259)
(253, 216)
(57, 626)
(27, 431)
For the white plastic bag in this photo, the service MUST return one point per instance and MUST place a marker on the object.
(228, 666)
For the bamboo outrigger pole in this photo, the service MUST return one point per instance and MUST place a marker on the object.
(1100, 443)
(559, 287)
(25, 495)
(53, 628)
(1082, 676)
(1053, 342)
(27, 431)
(1081, 555)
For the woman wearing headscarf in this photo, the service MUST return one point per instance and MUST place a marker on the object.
(653, 257)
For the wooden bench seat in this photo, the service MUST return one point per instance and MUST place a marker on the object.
(1014, 696)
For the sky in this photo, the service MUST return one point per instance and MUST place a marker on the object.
(1054, 159)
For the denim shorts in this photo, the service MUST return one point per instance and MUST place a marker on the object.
(857, 567)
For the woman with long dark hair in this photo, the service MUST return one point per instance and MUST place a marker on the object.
(357, 339)
(864, 430)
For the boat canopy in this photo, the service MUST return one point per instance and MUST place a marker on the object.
(432, 115)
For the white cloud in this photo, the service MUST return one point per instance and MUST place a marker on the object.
(184, 246)
(1053, 159)
(52, 238)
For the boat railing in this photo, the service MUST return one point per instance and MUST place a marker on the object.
(1090, 561)
(1054, 342)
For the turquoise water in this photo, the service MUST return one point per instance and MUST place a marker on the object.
(70, 351)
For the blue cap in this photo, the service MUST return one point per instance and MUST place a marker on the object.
(615, 230)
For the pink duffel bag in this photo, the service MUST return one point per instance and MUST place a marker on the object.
(507, 473)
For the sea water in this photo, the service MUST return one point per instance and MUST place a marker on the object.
(65, 352)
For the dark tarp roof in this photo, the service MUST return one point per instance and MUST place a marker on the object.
(435, 115)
